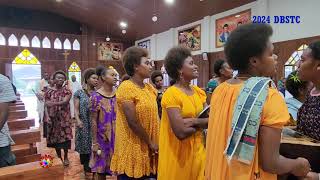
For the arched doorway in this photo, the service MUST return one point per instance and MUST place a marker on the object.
(74, 69)
(26, 71)
(291, 64)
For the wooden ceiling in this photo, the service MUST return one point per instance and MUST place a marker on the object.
(105, 15)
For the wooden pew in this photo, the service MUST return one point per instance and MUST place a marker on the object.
(17, 107)
(24, 150)
(21, 124)
(28, 136)
(18, 114)
(33, 171)
(16, 103)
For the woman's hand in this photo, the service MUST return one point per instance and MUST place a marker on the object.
(154, 148)
(95, 147)
(49, 103)
(79, 123)
(311, 176)
(302, 168)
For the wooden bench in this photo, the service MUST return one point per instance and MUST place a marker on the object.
(18, 114)
(21, 124)
(24, 147)
(17, 107)
(16, 103)
(33, 171)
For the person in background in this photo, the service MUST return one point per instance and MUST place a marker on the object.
(83, 141)
(41, 98)
(247, 151)
(75, 86)
(223, 72)
(223, 37)
(103, 116)
(299, 90)
(137, 124)
(157, 80)
(7, 95)
(59, 125)
(44, 83)
(181, 148)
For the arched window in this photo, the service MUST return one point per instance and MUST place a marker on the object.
(35, 42)
(13, 41)
(24, 41)
(2, 40)
(74, 69)
(66, 44)
(26, 57)
(57, 44)
(293, 60)
(76, 45)
(46, 43)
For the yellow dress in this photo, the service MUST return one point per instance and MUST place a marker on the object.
(181, 160)
(274, 114)
(131, 155)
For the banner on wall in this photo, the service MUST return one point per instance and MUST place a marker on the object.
(145, 44)
(190, 38)
(225, 25)
(109, 51)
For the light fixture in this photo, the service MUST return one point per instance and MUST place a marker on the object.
(108, 39)
(123, 24)
(123, 31)
(154, 18)
(93, 44)
(238, 15)
(169, 1)
(58, 1)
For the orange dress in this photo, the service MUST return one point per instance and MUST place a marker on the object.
(274, 114)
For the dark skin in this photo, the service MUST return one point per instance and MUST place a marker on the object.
(59, 80)
(269, 138)
(225, 73)
(91, 84)
(4, 112)
(185, 127)
(108, 81)
(142, 71)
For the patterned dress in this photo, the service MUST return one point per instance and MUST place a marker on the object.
(105, 108)
(59, 128)
(309, 117)
(83, 135)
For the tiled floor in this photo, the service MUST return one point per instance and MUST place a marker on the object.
(75, 169)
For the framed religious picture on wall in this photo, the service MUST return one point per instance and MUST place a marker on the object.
(145, 44)
(190, 38)
(225, 25)
(109, 51)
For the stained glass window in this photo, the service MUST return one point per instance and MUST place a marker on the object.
(24, 41)
(76, 45)
(26, 57)
(291, 64)
(66, 44)
(57, 44)
(13, 41)
(46, 43)
(74, 67)
(2, 40)
(35, 42)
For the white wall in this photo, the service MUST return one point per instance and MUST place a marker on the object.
(307, 10)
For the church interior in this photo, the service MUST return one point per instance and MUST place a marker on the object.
(151, 67)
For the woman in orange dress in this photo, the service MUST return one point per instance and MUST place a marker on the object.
(249, 51)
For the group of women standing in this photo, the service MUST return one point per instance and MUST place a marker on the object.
(119, 130)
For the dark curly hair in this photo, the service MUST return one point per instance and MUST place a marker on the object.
(88, 73)
(315, 49)
(294, 84)
(59, 72)
(217, 66)
(156, 74)
(174, 60)
(132, 57)
(125, 77)
(246, 41)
